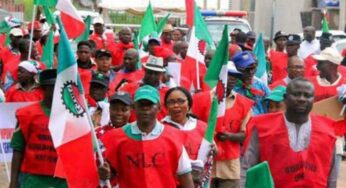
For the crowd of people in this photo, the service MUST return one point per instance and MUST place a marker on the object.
(151, 128)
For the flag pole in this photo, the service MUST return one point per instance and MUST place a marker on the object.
(93, 134)
(197, 75)
(32, 31)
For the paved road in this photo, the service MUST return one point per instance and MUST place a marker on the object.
(341, 182)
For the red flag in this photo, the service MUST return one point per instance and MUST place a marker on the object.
(189, 6)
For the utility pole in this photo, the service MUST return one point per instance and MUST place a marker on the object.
(205, 4)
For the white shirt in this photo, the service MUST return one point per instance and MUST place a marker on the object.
(298, 135)
(184, 164)
(189, 125)
(308, 48)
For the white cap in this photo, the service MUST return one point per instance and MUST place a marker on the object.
(155, 64)
(16, 32)
(329, 54)
(99, 20)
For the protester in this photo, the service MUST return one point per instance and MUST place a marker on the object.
(326, 40)
(103, 60)
(102, 39)
(226, 167)
(32, 164)
(97, 99)
(166, 37)
(27, 89)
(154, 72)
(119, 113)
(298, 146)
(85, 63)
(178, 35)
(329, 78)
(130, 73)
(37, 34)
(11, 51)
(161, 145)
(276, 99)
(279, 60)
(119, 48)
(248, 85)
(178, 102)
(310, 44)
(251, 39)
(295, 69)
(208, 56)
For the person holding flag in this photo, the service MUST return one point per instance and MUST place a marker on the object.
(249, 85)
(34, 156)
(226, 167)
(146, 150)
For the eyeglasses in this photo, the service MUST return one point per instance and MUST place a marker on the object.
(178, 101)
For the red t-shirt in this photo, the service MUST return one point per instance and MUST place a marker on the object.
(15, 94)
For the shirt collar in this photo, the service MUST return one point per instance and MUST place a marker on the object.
(20, 87)
(155, 132)
(190, 124)
(325, 82)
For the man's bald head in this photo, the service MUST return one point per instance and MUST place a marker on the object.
(125, 35)
(295, 67)
(131, 58)
(309, 33)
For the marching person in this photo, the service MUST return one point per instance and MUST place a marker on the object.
(299, 146)
(34, 156)
(146, 153)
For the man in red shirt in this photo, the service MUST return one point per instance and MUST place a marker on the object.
(295, 68)
(118, 49)
(102, 39)
(298, 146)
(279, 60)
(37, 34)
(85, 63)
(154, 72)
(11, 52)
(329, 79)
(166, 37)
(27, 88)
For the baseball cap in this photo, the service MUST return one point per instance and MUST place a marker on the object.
(154, 38)
(293, 39)
(121, 96)
(243, 59)
(155, 64)
(102, 52)
(47, 77)
(279, 34)
(251, 35)
(329, 54)
(98, 20)
(16, 32)
(277, 94)
(98, 78)
(147, 92)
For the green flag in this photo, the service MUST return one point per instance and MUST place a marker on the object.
(5, 29)
(86, 33)
(201, 30)
(218, 61)
(136, 44)
(259, 176)
(48, 51)
(47, 3)
(49, 16)
(162, 24)
(325, 25)
(148, 24)
(216, 77)
(259, 51)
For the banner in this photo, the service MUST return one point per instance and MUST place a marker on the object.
(7, 126)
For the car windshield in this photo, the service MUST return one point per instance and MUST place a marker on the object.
(216, 28)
